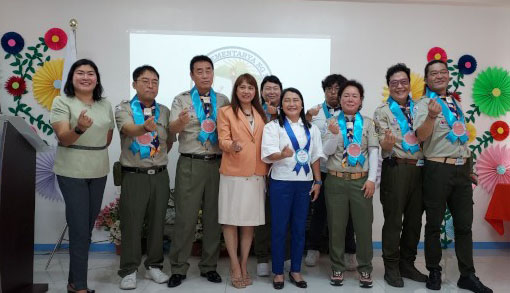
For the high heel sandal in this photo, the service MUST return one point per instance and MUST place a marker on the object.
(247, 280)
(237, 282)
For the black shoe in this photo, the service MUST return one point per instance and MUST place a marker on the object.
(299, 284)
(393, 278)
(409, 271)
(175, 280)
(434, 280)
(71, 289)
(278, 285)
(472, 283)
(212, 276)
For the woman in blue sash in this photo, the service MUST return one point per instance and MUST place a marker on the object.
(294, 147)
(353, 149)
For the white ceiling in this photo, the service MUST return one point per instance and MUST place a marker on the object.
(435, 2)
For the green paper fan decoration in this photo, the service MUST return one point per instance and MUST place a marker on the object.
(491, 91)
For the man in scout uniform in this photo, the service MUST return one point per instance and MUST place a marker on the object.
(145, 141)
(401, 181)
(440, 125)
(320, 116)
(193, 117)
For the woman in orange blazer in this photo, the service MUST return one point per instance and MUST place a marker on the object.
(242, 173)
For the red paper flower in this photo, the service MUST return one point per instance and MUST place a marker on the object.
(15, 86)
(55, 39)
(456, 96)
(499, 130)
(437, 53)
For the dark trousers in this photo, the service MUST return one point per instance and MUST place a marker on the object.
(445, 184)
(290, 201)
(401, 197)
(83, 198)
(319, 222)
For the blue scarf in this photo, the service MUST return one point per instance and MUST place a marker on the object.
(403, 123)
(450, 117)
(139, 119)
(357, 137)
(295, 145)
(201, 115)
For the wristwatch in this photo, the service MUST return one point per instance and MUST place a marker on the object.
(318, 182)
(78, 131)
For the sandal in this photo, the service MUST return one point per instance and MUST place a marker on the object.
(237, 282)
(247, 280)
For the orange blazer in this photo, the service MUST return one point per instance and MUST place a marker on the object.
(247, 162)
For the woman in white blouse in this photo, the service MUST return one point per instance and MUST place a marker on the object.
(294, 147)
(353, 149)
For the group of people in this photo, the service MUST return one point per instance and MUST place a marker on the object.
(253, 164)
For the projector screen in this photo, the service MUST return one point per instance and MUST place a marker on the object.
(298, 62)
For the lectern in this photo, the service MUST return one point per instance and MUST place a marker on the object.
(18, 147)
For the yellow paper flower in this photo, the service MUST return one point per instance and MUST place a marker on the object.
(471, 132)
(47, 82)
(417, 86)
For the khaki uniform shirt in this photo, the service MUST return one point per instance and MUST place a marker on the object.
(188, 138)
(124, 115)
(384, 119)
(437, 146)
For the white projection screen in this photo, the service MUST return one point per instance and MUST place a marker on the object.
(300, 62)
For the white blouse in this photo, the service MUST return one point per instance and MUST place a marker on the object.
(275, 138)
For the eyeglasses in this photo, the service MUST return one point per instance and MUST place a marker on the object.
(333, 89)
(147, 82)
(395, 83)
(436, 73)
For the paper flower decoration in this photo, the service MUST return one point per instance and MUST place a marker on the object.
(437, 53)
(491, 91)
(467, 64)
(493, 167)
(45, 179)
(449, 230)
(456, 96)
(15, 86)
(47, 82)
(499, 130)
(55, 39)
(417, 85)
(12, 43)
(471, 132)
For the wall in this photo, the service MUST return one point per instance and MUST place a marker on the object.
(366, 39)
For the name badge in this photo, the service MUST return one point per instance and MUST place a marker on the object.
(147, 111)
(459, 162)
(420, 163)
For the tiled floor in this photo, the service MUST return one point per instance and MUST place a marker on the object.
(492, 268)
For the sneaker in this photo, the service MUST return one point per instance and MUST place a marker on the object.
(350, 262)
(472, 283)
(434, 280)
(263, 269)
(365, 280)
(336, 279)
(311, 257)
(286, 265)
(156, 275)
(128, 282)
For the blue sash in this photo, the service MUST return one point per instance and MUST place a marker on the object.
(357, 137)
(326, 111)
(139, 119)
(403, 123)
(201, 115)
(295, 145)
(450, 118)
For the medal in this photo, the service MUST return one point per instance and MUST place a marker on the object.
(302, 157)
(410, 138)
(354, 150)
(208, 125)
(145, 139)
(458, 128)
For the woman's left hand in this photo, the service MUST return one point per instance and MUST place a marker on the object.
(369, 188)
(314, 192)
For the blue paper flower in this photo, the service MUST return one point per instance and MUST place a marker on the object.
(467, 64)
(12, 42)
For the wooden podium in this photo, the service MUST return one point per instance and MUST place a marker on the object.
(18, 147)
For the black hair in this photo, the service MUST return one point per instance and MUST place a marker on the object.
(281, 116)
(355, 84)
(399, 67)
(272, 79)
(331, 79)
(69, 87)
(199, 58)
(141, 69)
(432, 62)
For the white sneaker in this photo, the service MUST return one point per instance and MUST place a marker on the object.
(263, 269)
(286, 265)
(311, 257)
(156, 275)
(128, 282)
(351, 264)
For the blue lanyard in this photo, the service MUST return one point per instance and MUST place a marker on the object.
(295, 145)
(403, 123)
(139, 119)
(357, 136)
(450, 118)
(202, 115)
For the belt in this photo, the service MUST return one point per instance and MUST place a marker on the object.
(348, 175)
(148, 171)
(203, 157)
(450, 161)
(82, 147)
